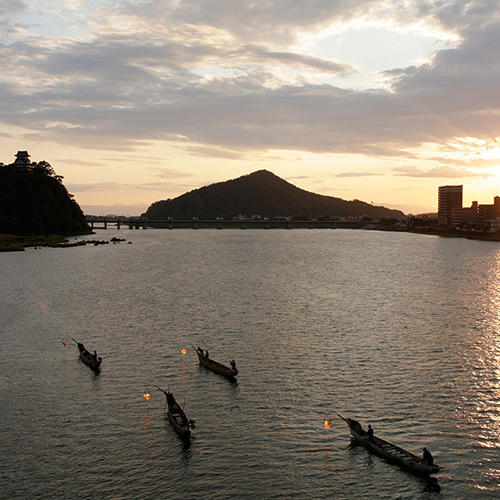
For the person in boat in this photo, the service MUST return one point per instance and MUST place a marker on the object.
(233, 364)
(95, 355)
(427, 458)
(170, 399)
(370, 433)
(206, 354)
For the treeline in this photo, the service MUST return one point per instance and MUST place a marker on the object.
(265, 194)
(36, 202)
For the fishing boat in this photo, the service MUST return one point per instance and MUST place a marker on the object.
(176, 416)
(215, 366)
(389, 451)
(91, 360)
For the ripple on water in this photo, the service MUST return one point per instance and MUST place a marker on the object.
(397, 330)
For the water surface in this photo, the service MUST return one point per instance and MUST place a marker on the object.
(393, 329)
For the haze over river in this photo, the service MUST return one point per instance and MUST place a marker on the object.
(398, 330)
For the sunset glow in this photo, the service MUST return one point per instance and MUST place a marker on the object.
(380, 101)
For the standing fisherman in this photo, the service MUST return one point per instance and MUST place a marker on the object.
(427, 458)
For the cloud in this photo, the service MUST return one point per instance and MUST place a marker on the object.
(9, 7)
(439, 172)
(279, 20)
(74, 161)
(169, 173)
(356, 174)
(116, 186)
(476, 163)
(115, 209)
(260, 54)
(197, 76)
(214, 152)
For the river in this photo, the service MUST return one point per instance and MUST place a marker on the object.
(394, 329)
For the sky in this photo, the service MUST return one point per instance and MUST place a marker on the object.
(135, 101)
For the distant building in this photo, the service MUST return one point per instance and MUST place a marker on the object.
(449, 205)
(23, 161)
(488, 213)
(470, 215)
(479, 216)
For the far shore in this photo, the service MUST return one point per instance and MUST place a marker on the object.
(16, 243)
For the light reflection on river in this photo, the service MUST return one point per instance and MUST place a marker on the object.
(395, 329)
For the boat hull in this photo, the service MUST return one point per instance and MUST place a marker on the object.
(183, 432)
(96, 366)
(88, 358)
(177, 417)
(216, 367)
(394, 454)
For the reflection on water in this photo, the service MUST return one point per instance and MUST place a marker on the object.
(147, 420)
(397, 330)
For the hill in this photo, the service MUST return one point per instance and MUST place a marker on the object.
(261, 193)
(36, 202)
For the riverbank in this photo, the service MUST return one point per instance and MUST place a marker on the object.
(446, 233)
(17, 243)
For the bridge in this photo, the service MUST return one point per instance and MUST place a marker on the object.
(219, 223)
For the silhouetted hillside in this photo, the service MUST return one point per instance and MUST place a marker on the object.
(260, 193)
(36, 202)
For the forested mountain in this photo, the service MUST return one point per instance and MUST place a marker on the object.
(261, 193)
(35, 201)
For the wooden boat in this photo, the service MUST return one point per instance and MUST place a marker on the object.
(214, 365)
(177, 417)
(91, 360)
(389, 451)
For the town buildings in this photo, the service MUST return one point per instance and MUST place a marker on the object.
(452, 214)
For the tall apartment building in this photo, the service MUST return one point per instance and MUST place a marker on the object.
(449, 205)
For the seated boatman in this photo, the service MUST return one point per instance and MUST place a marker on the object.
(370, 433)
(233, 364)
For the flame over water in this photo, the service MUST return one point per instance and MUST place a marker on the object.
(184, 351)
(327, 424)
(65, 344)
(147, 396)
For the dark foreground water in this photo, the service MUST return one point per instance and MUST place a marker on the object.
(398, 330)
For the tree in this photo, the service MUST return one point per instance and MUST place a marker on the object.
(45, 168)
